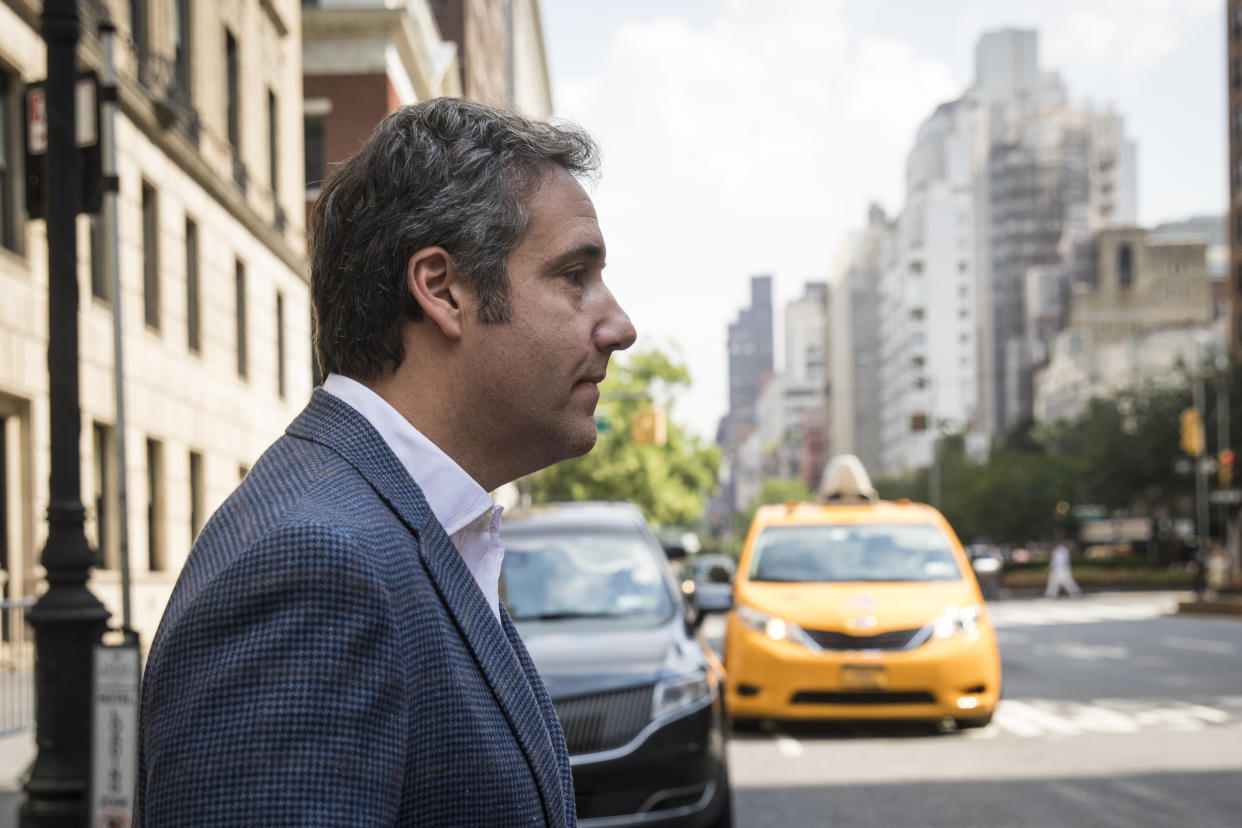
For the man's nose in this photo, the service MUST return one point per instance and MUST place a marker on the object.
(616, 331)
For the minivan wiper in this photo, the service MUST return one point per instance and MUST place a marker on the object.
(563, 615)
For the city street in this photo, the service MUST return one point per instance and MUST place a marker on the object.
(1116, 712)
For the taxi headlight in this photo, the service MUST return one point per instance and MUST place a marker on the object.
(959, 621)
(679, 693)
(778, 629)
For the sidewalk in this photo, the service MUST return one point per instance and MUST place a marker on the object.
(1224, 603)
(17, 751)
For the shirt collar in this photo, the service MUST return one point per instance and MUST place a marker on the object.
(455, 498)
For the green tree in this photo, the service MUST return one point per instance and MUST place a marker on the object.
(771, 490)
(671, 482)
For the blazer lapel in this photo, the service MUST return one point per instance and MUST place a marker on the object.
(334, 423)
(499, 663)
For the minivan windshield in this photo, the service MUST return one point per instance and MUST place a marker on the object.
(853, 552)
(581, 574)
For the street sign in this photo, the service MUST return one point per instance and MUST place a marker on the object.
(114, 734)
(1225, 497)
(1088, 511)
(1115, 530)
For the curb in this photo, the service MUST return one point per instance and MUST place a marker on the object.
(1207, 606)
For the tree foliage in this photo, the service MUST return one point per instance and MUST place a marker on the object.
(670, 482)
(1120, 453)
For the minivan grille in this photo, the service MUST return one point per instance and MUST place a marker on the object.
(604, 721)
(894, 640)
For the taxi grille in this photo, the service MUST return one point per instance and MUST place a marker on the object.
(893, 640)
(604, 721)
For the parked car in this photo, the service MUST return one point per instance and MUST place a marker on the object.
(708, 580)
(637, 689)
(858, 608)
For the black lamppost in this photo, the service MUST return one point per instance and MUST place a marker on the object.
(68, 620)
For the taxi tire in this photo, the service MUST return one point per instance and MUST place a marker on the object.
(970, 724)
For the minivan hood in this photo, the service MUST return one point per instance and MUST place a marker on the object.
(832, 606)
(577, 657)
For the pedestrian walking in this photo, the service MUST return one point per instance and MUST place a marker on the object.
(334, 651)
(1060, 575)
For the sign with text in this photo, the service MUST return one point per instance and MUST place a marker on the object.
(114, 735)
(1115, 530)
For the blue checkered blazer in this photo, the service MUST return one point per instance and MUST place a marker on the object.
(326, 658)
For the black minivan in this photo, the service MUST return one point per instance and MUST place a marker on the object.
(636, 687)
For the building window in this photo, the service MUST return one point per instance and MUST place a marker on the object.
(273, 135)
(150, 256)
(240, 294)
(101, 288)
(138, 28)
(107, 535)
(8, 141)
(155, 506)
(181, 46)
(232, 88)
(280, 344)
(196, 494)
(313, 128)
(193, 315)
(1125, 267)
(232, 91)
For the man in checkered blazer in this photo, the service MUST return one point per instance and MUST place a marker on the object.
(335, 652)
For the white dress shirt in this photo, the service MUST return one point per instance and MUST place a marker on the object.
(468, 514)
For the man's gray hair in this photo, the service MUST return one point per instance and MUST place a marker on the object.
(448, 173)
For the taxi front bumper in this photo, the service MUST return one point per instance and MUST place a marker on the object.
(956, 677)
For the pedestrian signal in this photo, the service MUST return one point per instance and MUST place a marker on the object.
(1225, 469)
(1192, 432)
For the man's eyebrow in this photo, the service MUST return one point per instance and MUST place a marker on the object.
(590, 251)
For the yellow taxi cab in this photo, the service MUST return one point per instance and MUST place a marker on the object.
(858, 608)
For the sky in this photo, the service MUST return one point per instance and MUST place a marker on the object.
(747, 137)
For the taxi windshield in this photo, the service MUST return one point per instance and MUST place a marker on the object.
(569, 574)
(854, 552)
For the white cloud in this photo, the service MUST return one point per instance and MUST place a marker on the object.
(751, 144)
(1131, 35)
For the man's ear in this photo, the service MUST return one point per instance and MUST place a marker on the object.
(436, 284)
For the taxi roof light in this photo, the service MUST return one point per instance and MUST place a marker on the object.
(845, 480)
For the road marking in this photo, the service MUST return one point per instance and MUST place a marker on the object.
(789, 746)
(1042, 612)
(1030, 718)
(1199, 645)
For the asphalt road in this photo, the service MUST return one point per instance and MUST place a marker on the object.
(1115, 712)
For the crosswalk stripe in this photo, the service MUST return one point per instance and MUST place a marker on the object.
(1030, 718)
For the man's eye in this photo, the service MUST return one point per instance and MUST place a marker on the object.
(577, 275)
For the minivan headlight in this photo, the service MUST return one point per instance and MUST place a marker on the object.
(958, 620)
(680, 693)
(778, 629)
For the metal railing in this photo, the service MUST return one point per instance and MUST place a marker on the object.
(16, 666)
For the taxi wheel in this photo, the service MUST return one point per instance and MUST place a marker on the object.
(969, 724)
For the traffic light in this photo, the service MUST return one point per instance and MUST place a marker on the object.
(1225, 469)
(650, 427)
(1192, 432)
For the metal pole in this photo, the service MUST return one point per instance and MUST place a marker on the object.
(112, 236)
(933, 482)
(1201, 499)
(68, 620)
(1222, 440)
